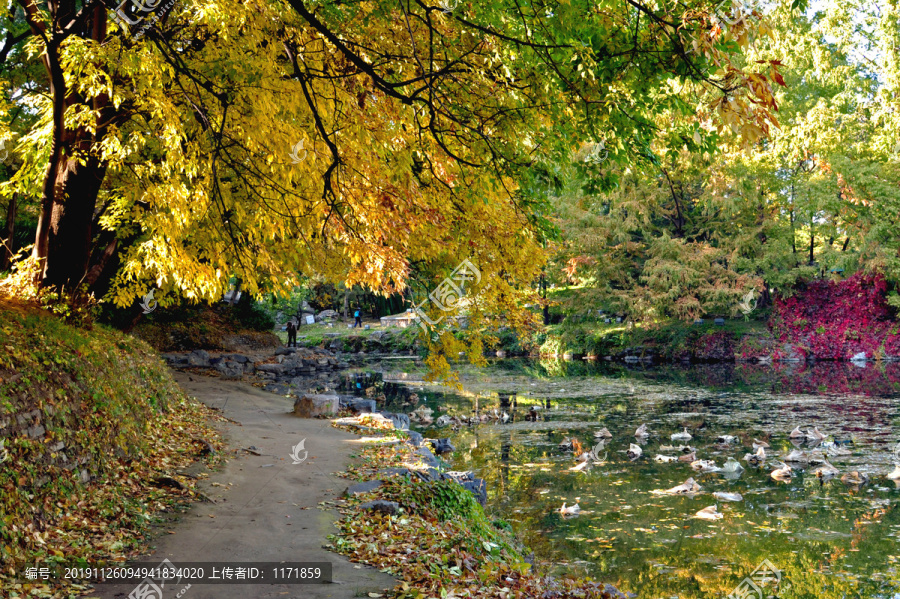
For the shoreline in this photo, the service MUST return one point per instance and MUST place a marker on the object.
(402, 497)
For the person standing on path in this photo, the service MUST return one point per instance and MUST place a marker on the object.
(358, 316)
(292, 333)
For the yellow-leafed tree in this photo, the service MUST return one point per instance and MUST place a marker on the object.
(180, 144)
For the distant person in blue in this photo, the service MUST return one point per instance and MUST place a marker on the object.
(292, 333)
(358, 316)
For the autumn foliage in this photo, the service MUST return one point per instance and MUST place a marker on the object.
(90, 421)
(836, 320)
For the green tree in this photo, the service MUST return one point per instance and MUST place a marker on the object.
(691, 228)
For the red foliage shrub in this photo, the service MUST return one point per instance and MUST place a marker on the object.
(834, 320)
(714, 347)
(752, 347)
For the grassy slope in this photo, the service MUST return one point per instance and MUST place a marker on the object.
(110, 401)
(201, 327)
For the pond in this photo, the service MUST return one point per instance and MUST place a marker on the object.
(807, 537)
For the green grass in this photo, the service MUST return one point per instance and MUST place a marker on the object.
(354, 339)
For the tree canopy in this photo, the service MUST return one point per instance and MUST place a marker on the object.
(689, 231)
(362, 142)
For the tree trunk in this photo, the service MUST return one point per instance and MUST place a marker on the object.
(791, 214)
(761, 216)
(6, 258)
(69, 233)
(99, 262)
(812, 243)
(346, 303)
(135, 317)
(48, 193)
(765, 298)
(74, 174)
(546, 307)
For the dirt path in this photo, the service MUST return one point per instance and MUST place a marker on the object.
(257, 515)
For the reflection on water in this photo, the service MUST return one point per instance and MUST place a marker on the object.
(826, 538)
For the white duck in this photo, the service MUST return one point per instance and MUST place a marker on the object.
(586, 465)
(572, 510)
(722, 496)
(782, 474)
(757, 444)
(797, 456)
(665, 459)
(687, 487)
(797, 434)
(634, 451)
(709, 513)
(826, 471)
(594, 454)
(682, 448)
(815, 434)
(704, 466)
(895, 473)
(603, 433)
(732, 466)
(726, 439)
(642, 431)
(756, 458)
(682, 437)
(833, 449)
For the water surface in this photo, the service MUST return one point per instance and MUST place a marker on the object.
(821, 538)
